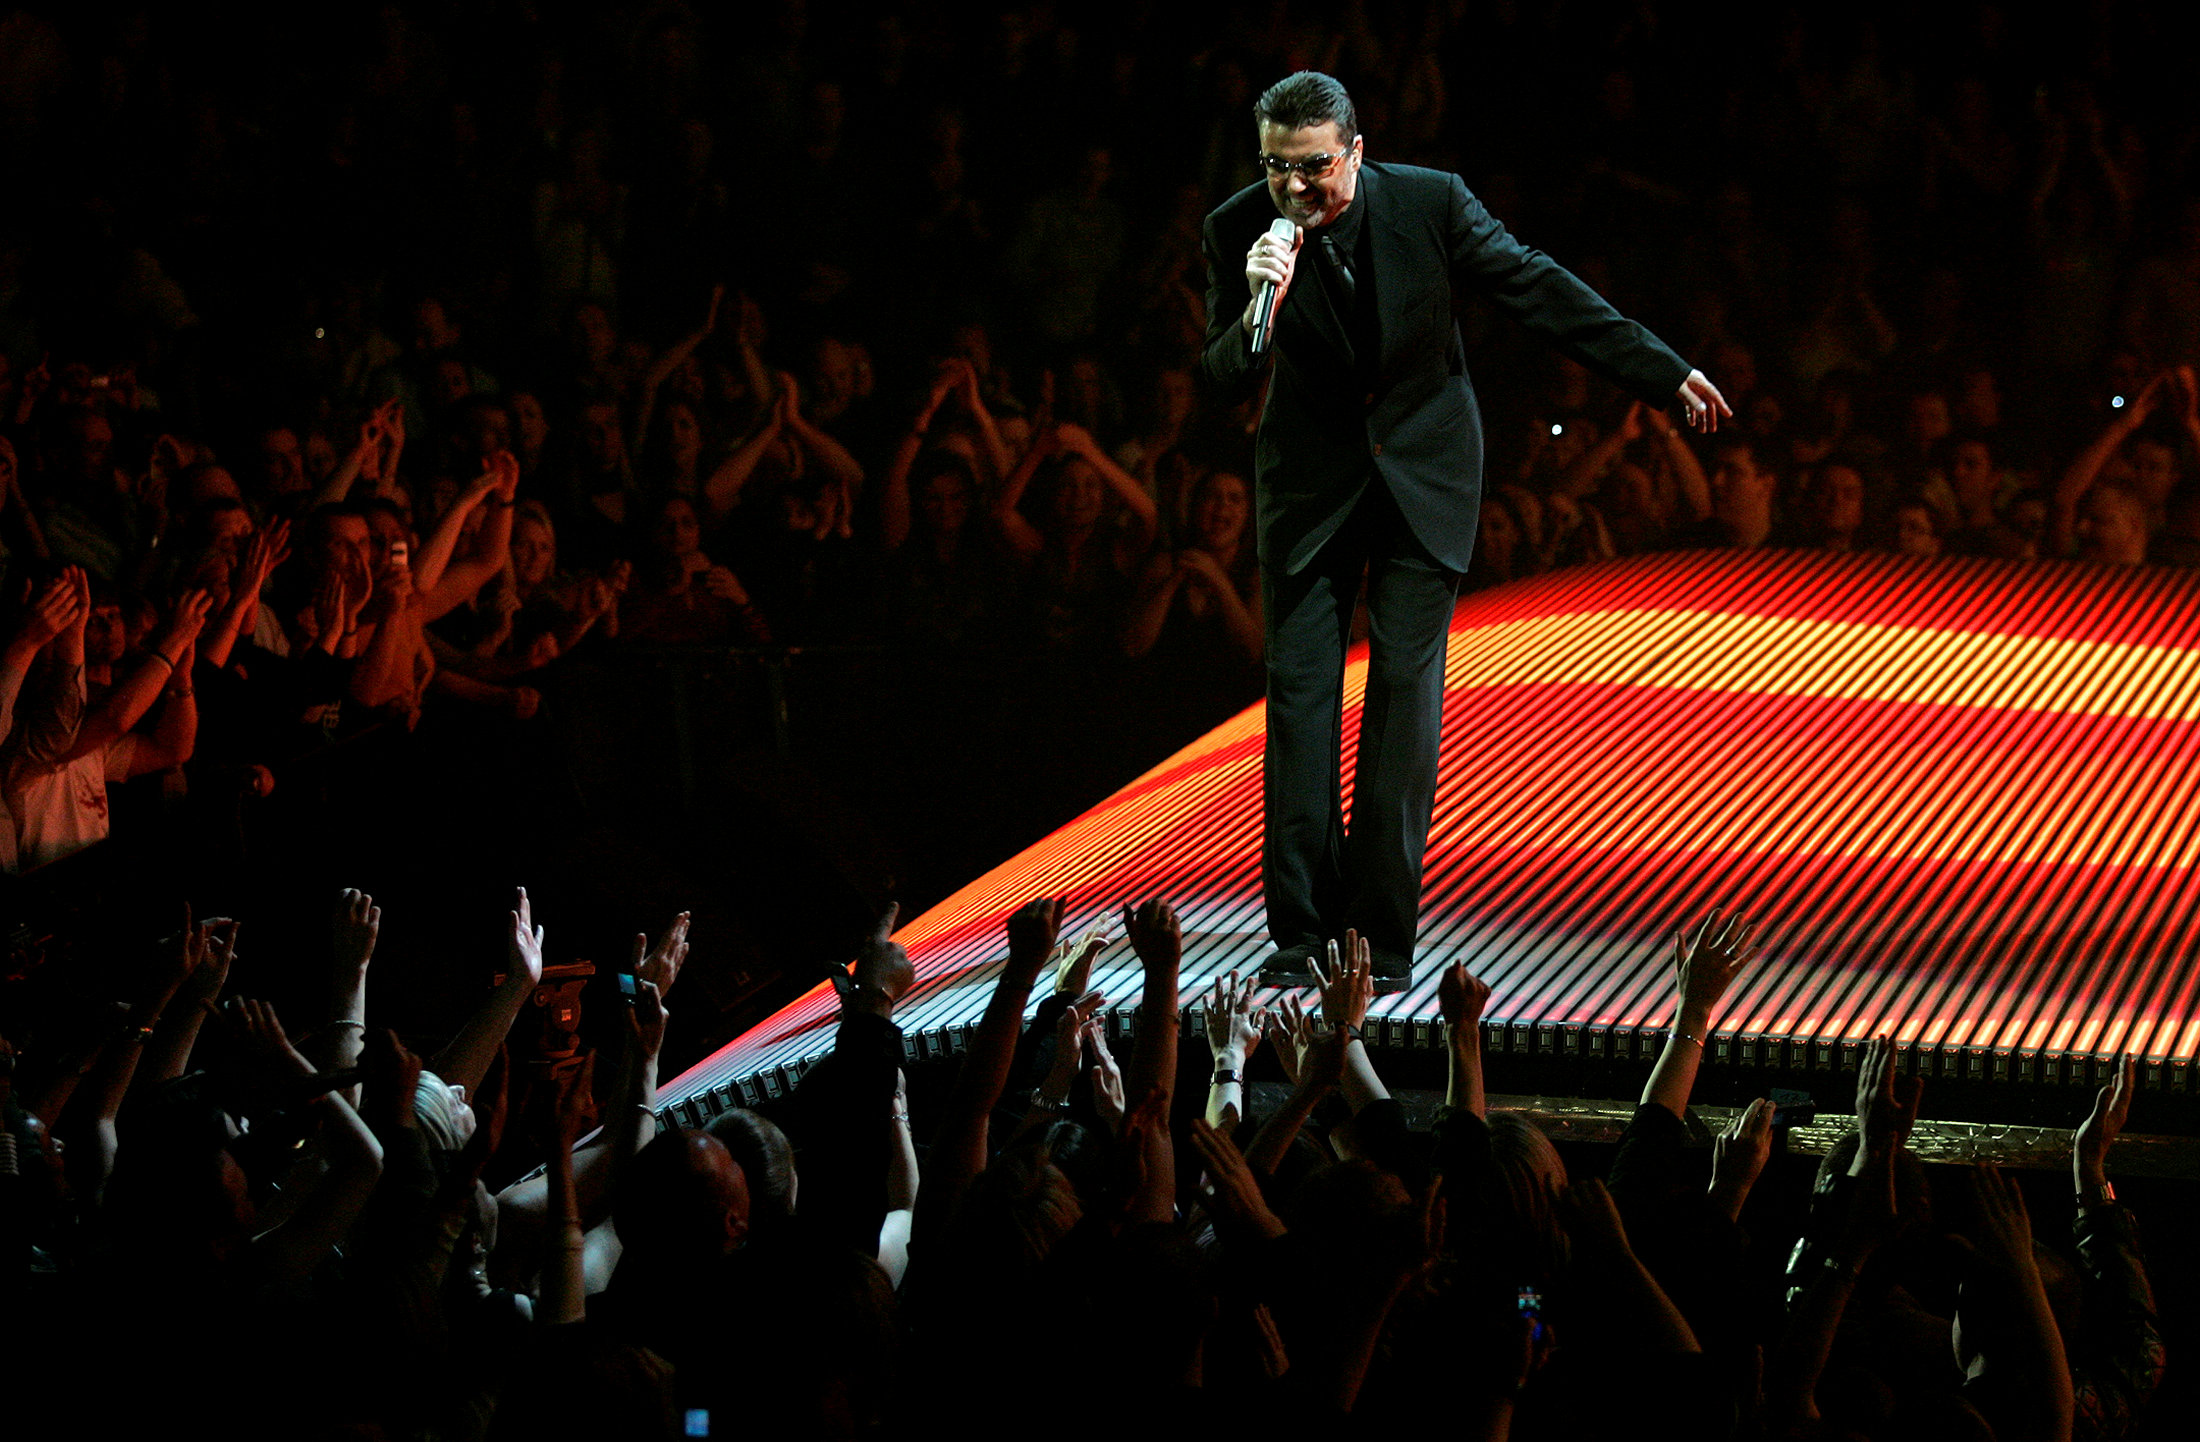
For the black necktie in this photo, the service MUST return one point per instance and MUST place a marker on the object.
(1340, 266)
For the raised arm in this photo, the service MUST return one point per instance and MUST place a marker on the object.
(452, 583)
(2071, 488)
(893, 501)
(353, 1156)
(722, 487)
(1462, 996)
(466, 1060)
(56, 608)
(169, 647)
(959, 1149)
(268, 548)
(1705, 964)
(1347, 986)
(1078, 441)
(1233, 1035)
(1021, 536)
(661, 369)
(1159, 942)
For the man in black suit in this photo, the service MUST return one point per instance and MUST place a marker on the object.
(1369, 461)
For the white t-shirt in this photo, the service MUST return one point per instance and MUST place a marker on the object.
(64, 810)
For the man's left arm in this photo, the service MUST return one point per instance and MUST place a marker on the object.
(1550, 300)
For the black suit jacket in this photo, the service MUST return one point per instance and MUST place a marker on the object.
(1333, 420)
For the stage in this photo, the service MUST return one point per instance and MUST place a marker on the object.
(1960, 795)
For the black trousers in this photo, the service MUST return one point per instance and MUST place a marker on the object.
(1317, 878)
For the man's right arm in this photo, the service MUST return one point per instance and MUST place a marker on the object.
(1226, 363)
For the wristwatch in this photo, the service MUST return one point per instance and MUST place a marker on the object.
(2100, 1194)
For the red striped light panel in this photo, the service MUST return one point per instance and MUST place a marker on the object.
(1959, 795)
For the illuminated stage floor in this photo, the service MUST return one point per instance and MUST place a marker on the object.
(1960, 794)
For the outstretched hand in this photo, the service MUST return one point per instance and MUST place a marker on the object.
(1706, 962)
(526, 941)
(1886, 1104)
(1233, 1023)
(1348, 982)
(2098, 1132)
(1701, 404)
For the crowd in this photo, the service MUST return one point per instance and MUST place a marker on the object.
(365, 376)
(485, 1243)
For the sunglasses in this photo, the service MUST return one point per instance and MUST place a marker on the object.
(1314, 167)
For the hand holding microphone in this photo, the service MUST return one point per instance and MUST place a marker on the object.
(1268, 269)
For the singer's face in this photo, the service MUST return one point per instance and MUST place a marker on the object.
(1315, 202)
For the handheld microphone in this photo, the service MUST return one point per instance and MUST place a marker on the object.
(1264, 303)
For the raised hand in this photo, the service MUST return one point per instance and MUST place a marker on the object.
(1031, 933)
(1107, 1075)
(1233, 1024)
(1069, 1045)
(55, 609)
(1886, 1104)
(261, 1035)
(1073, 973)
(2098, 1132)
(1348, 982)
(525, 949)
(353, 928)
(1290, 1032)
(180, 628)
(1461, 995)
(882, 967)
(1154, 934)
(1738, 1156)
(1705, 964)
(1321, 1062)
(660, 964)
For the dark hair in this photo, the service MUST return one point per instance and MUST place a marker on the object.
(766, 1158)
(1306, 99)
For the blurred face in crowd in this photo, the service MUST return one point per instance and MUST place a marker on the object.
(347, 545)
(1840, 500)
(282, 462)
(528, 424)
(2153, 469)
(1311, 202)
(1497, 538)
(599, 436)
(683, 437)
(105, 639)
(433, 329)
(1218, 517)
(1741, 490)
(944, 501)
(448, 383)
(2112, 528)
(678, 534)
(534, 552)
(1914, 532)
(92, 448)
(1971, 472)
(389, 543)
(1929, 422)
(597, 338)
(1078, 496)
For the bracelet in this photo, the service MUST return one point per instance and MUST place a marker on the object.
(1679, 1035)
(646, 1110)
(900, 1118)
(1227, 1077)
(162, 657)
(2102, 1194)
(1353, 1033)
(348, 1022)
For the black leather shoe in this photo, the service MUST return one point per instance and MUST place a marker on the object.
(1290, 966)
(1392, 973)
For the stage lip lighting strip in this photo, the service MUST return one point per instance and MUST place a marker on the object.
(1962, 795)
